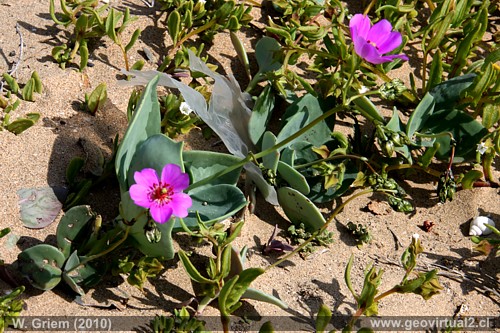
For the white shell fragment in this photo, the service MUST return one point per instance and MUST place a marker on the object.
(478, 226)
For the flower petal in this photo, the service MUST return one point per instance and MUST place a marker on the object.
(359, 46)
(392, 41)
(180, 202)
(140, 195)
(366, 51)
(146, 177)
(379, 32)
(160, 213)
(359, 26)
(173, 176)
(382, 59)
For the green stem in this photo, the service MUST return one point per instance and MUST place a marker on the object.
(407, 94)
(194, 32)
(76, 47)
(255, 80)
(320, 230)
(411, 166)
(124, 56)
(204, 302)
(108, 250)
(356, 157)
(370, 5)
(272, 149)
(385, 293)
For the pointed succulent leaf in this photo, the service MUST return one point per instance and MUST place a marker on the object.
(270, 161)
(193, 273)
(133, 39)
(260, 114)
(97, 98)
(28, 90)
(240, 51)
(418, 118)
(19, 125)
(145, 123)
(323, 318)
(38, 82)
(13, 86)
(174, 25)
(490, 115)
(258, 295)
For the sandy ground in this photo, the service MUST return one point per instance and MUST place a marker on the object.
(39, 156)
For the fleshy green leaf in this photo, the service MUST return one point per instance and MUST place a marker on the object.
(201, 164)
(71, 226)
(465, 129)
(300, 209)
(423, 111)
(213, 204)
(266, 51)
(156, 152)
(42, 264)
(193, 273)
(19, 125)
(270, 161)
(470, 177)
(97, 98)
(294, 178)
(323, 318)
(260, 114)
(145, 123)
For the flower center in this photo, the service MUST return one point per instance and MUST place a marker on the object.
(372, 43)
(161, 193)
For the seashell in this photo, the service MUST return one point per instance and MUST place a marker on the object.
(478, 226)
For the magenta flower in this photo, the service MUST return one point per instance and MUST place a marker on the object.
(163, 197)
(372, 42)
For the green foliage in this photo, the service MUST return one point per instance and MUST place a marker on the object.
(10, 307)
(360, 232)
(186, 19)
(87, 20)
(96, 99)
(181, 321)
(300, 234)
(10, 100)
(227, 279)
(424, 284)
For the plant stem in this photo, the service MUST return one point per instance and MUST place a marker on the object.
(356, 157)
(125, 57)
(369, 7)
(196, 31)
(416, 166)
(407, 94)
(320, 230)
(277, 146)
(108, 250)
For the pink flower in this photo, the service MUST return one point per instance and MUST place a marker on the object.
(163, 197)
(372, 42)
